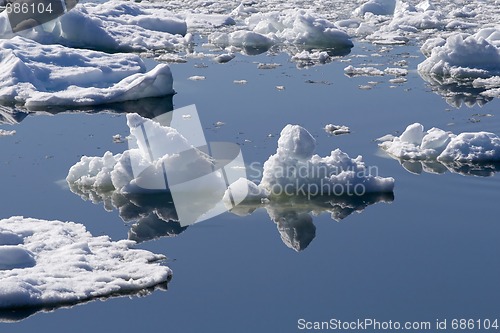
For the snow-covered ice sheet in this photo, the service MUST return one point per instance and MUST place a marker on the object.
(466, 153)
(48, 264)
(115, 26)
(39, 75)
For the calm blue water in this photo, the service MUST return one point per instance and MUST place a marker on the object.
(432, 253)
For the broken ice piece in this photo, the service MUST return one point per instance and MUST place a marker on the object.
(337, 129)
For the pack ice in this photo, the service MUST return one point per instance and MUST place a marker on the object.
(47, 264)
(39, 76)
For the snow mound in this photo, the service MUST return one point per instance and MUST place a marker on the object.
(53, 75)
(60, 263)
(289, 27)
(436, 144)
(463, 56)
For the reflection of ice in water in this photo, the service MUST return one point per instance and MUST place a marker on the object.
(294, 215)
(456, 93)
(150, 215)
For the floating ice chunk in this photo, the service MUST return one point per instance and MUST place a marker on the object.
(362, 71)
(306, 58)
(48, 75)
(442, 146)
(125, 172)
(268, 66)
(336, 129)
(295, 169)
(396, 71)
(6, 132)
(223, 58)
(61, 263)
(463, 56)
(376, 7)
(197, 78)
(414, 144)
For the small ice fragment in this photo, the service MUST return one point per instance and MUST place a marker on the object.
(240, 81)
(280, 88)
(219, 124)
(196, 78)
(365, 87)
(398, 80)
(7, 133)
(186, 116)
(337, 129)
(117, 138)
(362, 71)
(268, 66)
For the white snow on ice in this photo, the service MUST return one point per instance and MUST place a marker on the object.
(437, 144)
(50, 75)
(54, 263)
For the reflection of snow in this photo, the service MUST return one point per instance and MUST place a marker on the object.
(435, 151)
(456, 93)
(294, 215)
(151, 215)
(48, 264)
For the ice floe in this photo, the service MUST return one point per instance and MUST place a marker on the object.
(336, 129)
(48, 264)
(476, 153)
(295, 171)
(115, 26)
(39, 76)
(161, 160)
(463, 56)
